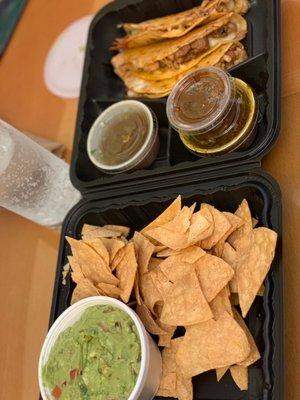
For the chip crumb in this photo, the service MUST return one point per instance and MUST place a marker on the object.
(65, 271)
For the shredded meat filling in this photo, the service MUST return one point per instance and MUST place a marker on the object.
(181, 56)
(190, 51)
(234, 55)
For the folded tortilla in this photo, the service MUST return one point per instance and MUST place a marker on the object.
(173, 57)
(177, 25)
(225, 55)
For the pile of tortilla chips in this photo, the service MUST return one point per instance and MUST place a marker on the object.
(156, 53)
(187, 268)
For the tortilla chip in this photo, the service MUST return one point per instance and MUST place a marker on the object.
(240, 376)
(229, 255)
(221, 227)
(220, 304)
(183, 388)
(124, 240)
(235, 223)
(123, 230)
(181, 222)
(166, 252)
(206, 213)
(165, 339)
(241, 239)
(143, 250)
(109, 290)
(90, 232)
(136, 288)
(148, 290)
(158, 247)
(172, 233)
(168, 215)
(168, 356)
(118, 258)
(92, 265)
(153, 263)
(254, 222)
(253, 269)
(126, 272)
(167, 387)
(190, 254)
(84, 289)
(220, 372)
(175, 269)
(254, 353)
(148, 320)
(161, 282)
(174, 240)
(261, 291)
(113, 245)
(185, 303)
(199, 229)
(234, 299)
(184, 230)
(76, 273)
(157, 312)
(100, 248)
(202, 347)
(213, 274)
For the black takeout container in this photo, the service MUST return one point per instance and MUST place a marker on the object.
(137, 209)
(101, 88)
(135, 198)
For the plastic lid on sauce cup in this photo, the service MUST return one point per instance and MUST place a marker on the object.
(199, 99)
(124, 137)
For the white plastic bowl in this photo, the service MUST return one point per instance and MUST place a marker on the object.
(144, 157)
(151, 365)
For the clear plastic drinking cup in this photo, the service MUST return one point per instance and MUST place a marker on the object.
(149, 376)
(33, 182)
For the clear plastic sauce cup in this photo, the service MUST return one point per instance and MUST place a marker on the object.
(124, 138)
(213, 112)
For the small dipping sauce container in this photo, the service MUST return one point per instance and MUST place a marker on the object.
(124, 138)
(213, 112)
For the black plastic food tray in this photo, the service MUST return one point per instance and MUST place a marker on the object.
(265, 319)
(101, 88)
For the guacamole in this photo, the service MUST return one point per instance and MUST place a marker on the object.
(98, 358)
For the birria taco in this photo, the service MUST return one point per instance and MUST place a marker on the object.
(225, 56)
(177, 25)
(173, 57)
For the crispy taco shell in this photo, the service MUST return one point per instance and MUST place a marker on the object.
(225, 55)
(177, 25)
(174, 57)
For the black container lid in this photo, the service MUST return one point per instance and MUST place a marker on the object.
(265, 319)
(101, 88)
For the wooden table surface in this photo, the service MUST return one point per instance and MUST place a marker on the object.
(28, 252)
